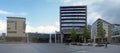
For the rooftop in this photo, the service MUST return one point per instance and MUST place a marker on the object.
(16, 18)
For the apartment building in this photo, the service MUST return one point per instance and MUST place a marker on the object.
(106, 26)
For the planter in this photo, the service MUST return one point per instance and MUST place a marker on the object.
(66, 43)
(99, 45)
(79, 44)
(73, 43)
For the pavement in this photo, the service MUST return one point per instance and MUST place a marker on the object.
(55, 48)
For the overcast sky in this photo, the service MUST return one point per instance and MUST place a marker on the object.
(43, 15)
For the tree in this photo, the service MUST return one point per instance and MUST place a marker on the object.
(100, 31)
(86, 35)
(73, 35)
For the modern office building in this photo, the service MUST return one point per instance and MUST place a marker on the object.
(116, 25)
(106, 26)
(3, 35)
(43, 37)
(72, 16)
(16, 29)
(116, 35)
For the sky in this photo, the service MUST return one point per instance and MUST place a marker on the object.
(43, 15)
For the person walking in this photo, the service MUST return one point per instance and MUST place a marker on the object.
(106, 44)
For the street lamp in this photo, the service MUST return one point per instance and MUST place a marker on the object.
(61, 37)
(94, 40)
(55, 36)
(27, 38)
(50, 41)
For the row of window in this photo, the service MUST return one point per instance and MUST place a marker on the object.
(73, 20)
(116, 33)
(74, 14)
(70, 28)
(11, 21)
(72, 8)
(72, 24)
(73, 11)
(73, 17)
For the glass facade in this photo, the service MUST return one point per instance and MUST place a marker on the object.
(71, 28)
(73, 21)
(73, 16)
(73, 25)
(73, 11)
(116, 32)
(116, 35)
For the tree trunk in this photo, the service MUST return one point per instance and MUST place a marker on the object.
(101, 40)
(84, 40)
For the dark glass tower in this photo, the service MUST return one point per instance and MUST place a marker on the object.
(73, 16)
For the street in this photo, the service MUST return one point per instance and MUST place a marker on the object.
(55, 48)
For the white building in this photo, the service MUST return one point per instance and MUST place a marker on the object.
(106, 26)
(16, 29)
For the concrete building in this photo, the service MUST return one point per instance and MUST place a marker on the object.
(116, 35)
(72, 16)
(106, 26)
(16, 29)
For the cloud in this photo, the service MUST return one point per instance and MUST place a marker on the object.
(43, 29)
(2, 26)
(8, 13)
(79, 3)
(5, 12)
(21, 14)
(109, 10)
(66, 1)
(93, 16)
(39, 29)
(62, 1)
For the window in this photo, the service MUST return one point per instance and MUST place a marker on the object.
(70, 27)
(8, 28)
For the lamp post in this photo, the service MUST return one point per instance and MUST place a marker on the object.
(55, 36)
(61, 37)
(50, 39)
(27, 38)
(94, 40)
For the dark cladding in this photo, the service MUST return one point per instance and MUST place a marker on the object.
(73, 16)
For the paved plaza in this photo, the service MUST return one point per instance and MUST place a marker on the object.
(55, 48)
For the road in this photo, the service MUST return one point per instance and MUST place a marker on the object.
(55, 48)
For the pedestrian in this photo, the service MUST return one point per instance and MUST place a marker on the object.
(106, 45)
